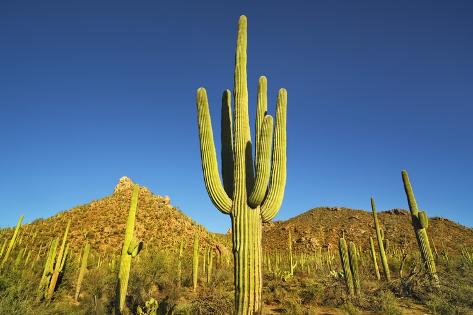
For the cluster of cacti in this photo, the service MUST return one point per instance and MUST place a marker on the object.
(420, 223)
(380, 238)
(82, 269)
(131, 248)
(12, 242)
(251, 193)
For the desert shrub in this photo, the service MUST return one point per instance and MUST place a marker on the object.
(387, 304)
(350, 309)
(211, 301)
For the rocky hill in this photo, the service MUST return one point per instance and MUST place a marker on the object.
(322, 227)
(102, 222)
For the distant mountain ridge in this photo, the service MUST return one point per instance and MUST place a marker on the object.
(159, 224)
(323, 226)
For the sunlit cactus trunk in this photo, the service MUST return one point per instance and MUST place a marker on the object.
(195, 262)
(59, 263)
(251, 193)
(82, 270)
(420, 223)
(373, 255)
(380, 237)
(131, 248)
(11, 245)
(345, 261)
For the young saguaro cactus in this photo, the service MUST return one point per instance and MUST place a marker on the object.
(251, 193)
(59, 263)
(379, 236)
(292, 264)
(373, 255)
(420, 223)
(352, 253)
(12, 242)
(48, 268)
(131, 248)
(83, 269)
(345, 259)
(195, 262)
(179, 263)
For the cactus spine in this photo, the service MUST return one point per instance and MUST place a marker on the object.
(373, 255)
(379, 236)
(12, 242)
(61, 257)
(249, 197)
(131, 248)
(345, 260)
(353, 255)
(83, 269)
(195, 262)
(420, 224)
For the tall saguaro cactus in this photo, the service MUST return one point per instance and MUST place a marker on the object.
(373, 255)
(131, 248)
(195, 262)
(379, 236)
(12, 242)
(420, 223)
(59, 263)
(251, 193)
(345, 260)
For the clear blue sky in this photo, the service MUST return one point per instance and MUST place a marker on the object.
(91, 91)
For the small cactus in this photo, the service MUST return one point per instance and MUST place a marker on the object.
(61, 257)
(352, 253)
(82, 270)
(195, 262)
(373, 255)
(380, 237)
(345, 260)
(12, 242)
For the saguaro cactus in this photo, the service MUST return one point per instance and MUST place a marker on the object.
(195, 262)
(59, 263)
(420, 223)
(179, 264)
(379, 236)
(251, 193)
(352, 253)
(292, 264)
(83, 269)
(48, 268)
(131, 248)
(12, 242)
(344, 258)
(373, 255)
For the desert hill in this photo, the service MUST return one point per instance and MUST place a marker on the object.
(322, 227)
(102, 222)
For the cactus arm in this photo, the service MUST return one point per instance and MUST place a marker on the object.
(261, 110)
(410, 194)
(380, 237)
(275, 195)
(243, 167)
(263, 163)
(209, 157)
(227, 142)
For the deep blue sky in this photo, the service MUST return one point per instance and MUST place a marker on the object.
(91, 91)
